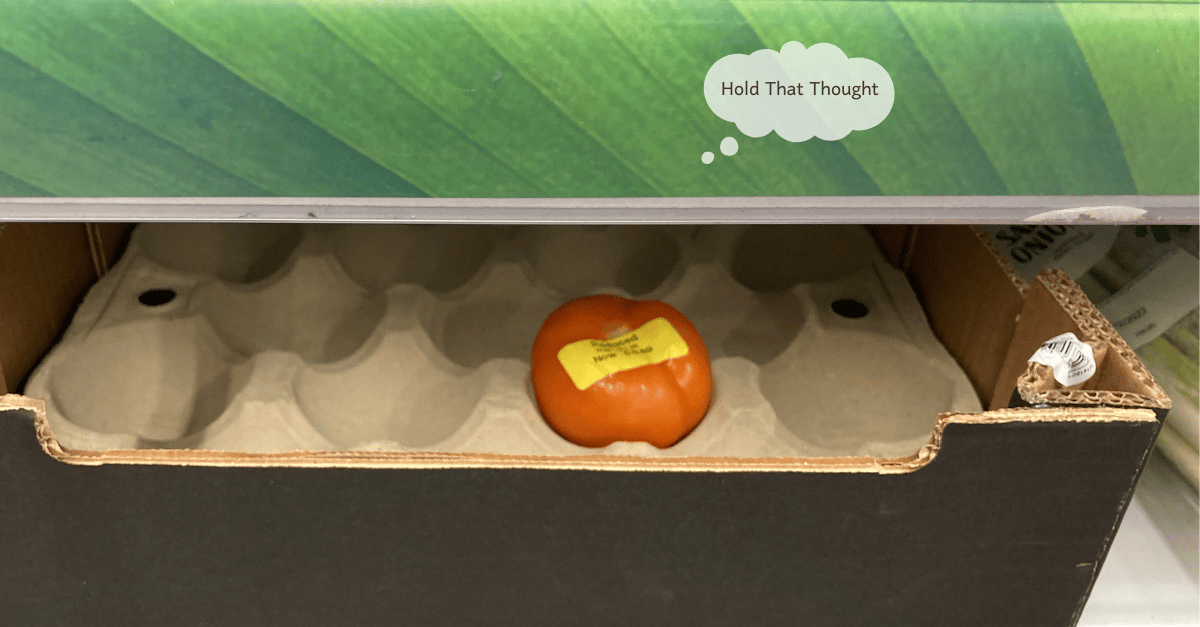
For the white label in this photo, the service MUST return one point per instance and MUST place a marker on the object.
(1104, 213)
(1071, 359)
(1071, 249)
(1149, 305)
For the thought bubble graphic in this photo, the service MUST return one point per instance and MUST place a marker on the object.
(729, 148)
(799, 92)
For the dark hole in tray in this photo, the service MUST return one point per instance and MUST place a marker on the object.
(849, 308)
(156, 297)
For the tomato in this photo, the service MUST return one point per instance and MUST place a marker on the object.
(608, 369)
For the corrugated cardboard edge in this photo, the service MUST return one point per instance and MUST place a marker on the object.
(990, 246)
(396, 459)
(1094, 326)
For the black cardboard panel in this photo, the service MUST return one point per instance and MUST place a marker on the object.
(1004, 527)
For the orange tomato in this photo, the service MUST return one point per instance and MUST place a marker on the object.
(607, 369)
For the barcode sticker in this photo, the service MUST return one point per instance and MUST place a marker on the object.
(1071, 359)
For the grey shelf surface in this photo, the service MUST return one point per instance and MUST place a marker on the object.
(809, 209)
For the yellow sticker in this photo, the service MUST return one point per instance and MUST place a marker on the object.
(588, 361)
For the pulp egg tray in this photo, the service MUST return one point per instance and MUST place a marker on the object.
(271, 338)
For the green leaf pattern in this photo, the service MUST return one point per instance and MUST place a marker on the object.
(583, 98)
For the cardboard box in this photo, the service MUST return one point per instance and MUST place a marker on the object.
(1003, 518)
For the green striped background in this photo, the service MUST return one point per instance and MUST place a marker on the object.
(563, 98)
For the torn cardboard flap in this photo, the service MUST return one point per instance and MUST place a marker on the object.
(1054, 305)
